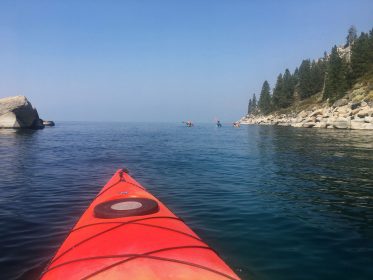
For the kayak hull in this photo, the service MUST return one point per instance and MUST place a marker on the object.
(127, 233)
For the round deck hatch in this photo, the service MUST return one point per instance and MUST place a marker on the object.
(125, 207)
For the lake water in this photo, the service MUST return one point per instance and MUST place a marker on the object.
(275, 202)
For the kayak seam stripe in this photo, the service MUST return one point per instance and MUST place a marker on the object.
(105, 231)
(108, 188)
(71, 230)
(135, 185)
(170, 229)
(159, 258)
(103, 223)
(165, 228)
(127, 255)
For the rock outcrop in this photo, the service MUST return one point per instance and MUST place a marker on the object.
(48, 123)
(342, 115)
(17, 112)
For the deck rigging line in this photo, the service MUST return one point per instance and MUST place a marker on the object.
(104, 231)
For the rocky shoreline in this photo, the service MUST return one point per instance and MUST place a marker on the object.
(342, 115)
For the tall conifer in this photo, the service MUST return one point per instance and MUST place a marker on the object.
(249, 107)
(361, 56)
(254, 102)
(265, 98)
(335, 82)
(278, 92)
(305, 87)
(288, 89)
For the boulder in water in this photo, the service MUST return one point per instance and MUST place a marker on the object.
(17, 112)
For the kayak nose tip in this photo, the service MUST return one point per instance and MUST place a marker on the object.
(125, 170)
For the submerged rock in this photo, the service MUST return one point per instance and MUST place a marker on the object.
(17, 112)
(48, 123)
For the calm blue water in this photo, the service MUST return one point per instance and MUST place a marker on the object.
(276, 202)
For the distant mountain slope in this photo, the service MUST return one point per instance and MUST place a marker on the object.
(344, 73)
(335, 91)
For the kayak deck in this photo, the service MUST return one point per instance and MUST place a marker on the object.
(128, 233)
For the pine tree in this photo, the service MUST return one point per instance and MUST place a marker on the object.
(361, 56)
(288, 89)
(317, 76)
(254, 102)
(295, 77)
(370, 51)
(335, 82)
(278, 92)
(283, 92)
(352, 36)
(305, 87)
(250, 107)
(265, 98)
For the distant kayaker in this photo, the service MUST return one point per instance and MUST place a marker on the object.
(218, 124)
(188, 123)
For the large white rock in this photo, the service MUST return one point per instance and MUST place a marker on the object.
(317, 112)
(358, 124)
(320, 124)
(365, 112)
(342, 123)
(340, 102)
(8, 119)
(17, 112)
(303, 114)
(308, 124)
(297, 124)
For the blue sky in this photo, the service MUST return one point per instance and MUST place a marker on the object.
(161, 60)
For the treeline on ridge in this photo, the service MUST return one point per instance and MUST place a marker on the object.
(333, 75)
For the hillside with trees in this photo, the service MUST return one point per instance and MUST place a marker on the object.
(326, 79)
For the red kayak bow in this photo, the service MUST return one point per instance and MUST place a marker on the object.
(127, 233)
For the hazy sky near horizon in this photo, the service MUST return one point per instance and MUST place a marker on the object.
(145, 60)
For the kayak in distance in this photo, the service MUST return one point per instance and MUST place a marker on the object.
(127, 233)
(188, 123)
